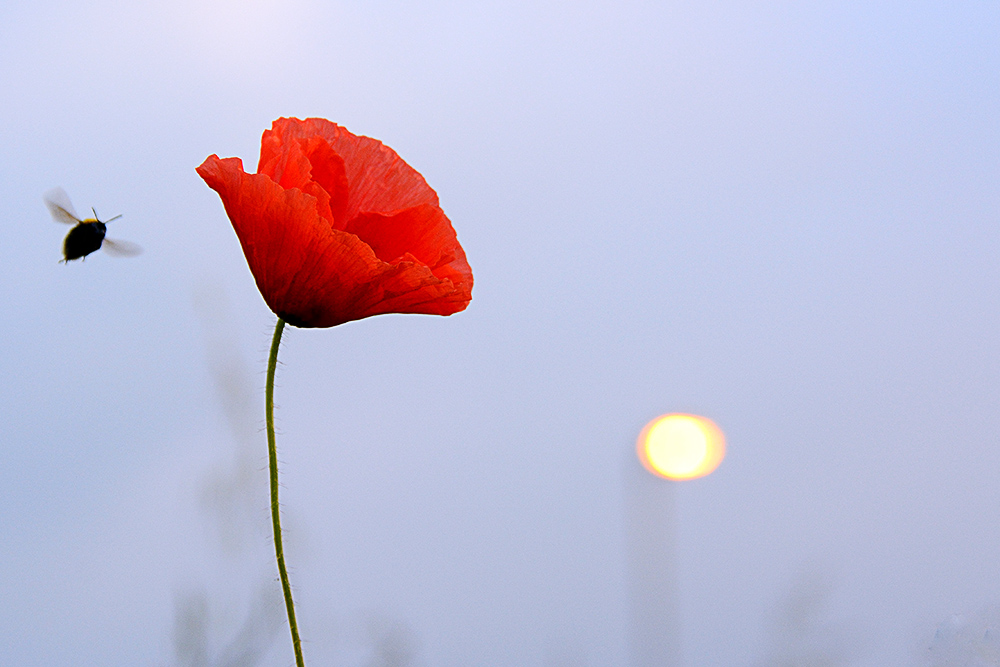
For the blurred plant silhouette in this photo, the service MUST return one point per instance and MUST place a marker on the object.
(231, 500)
(967, 641)
(193, 631)
(803, 636)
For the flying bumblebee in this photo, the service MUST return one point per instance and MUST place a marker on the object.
(87, 235)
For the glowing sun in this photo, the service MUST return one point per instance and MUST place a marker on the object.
(681, 446)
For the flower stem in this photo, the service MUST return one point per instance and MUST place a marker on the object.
(272, 458)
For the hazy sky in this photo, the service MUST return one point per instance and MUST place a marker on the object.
(780, 215)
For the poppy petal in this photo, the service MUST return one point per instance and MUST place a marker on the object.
(380, 180)
(423, 232)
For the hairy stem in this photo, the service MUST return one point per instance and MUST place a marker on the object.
(272, 459)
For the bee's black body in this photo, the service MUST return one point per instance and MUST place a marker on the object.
(84, 239)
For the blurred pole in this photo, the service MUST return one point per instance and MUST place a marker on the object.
(650, 533)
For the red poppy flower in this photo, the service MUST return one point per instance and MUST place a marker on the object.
(336, 227)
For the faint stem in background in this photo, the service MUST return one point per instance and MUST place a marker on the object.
(235, 492)
(803, 636)
(260, 629)
(233, 498)
(393, 644)
(191, 630)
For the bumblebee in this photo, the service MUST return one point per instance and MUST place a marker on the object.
(87, 236)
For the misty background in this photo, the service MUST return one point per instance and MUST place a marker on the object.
(782, 216)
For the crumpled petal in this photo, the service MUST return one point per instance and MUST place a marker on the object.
(337, 227)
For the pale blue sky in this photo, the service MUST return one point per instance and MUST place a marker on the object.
(780, 216)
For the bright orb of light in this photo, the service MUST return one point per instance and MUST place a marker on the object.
(681, 446)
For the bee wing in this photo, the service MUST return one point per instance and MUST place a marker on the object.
(121, 248)
(60, 206)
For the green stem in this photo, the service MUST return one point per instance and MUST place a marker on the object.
(272, 459)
